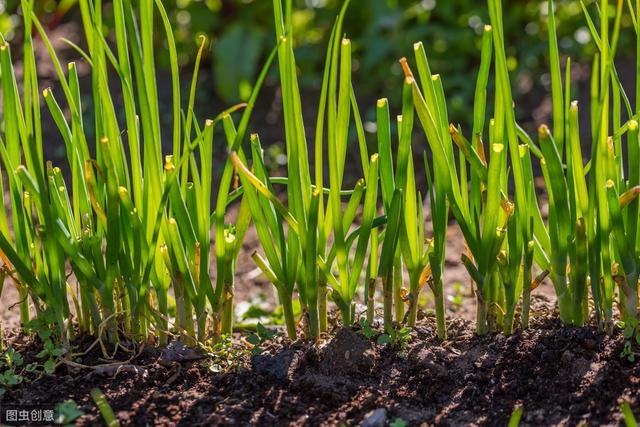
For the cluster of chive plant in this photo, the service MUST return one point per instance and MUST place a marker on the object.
(588, 246)
(123, 246)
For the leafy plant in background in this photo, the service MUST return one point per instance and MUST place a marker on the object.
(391, 26)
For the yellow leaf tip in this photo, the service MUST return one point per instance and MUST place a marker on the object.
(543, 131)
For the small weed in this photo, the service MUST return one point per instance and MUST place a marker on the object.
(67, 412)
(10, 363)
(366, 329)
(225, 355)
(261, 336)
(396, 339)
(398, 422)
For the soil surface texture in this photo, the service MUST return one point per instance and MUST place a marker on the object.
(560, 375)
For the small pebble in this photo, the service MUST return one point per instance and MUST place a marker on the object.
(375, 418)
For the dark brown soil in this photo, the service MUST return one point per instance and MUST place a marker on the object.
(562, 376)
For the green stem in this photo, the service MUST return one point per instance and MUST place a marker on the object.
(162, 308)
(201, 321)
(126, 303)
(579, 318)
(397, 288)
(526, 300)
(564, 305)
(24, 306)
(565, 301)
(414, 293)
(227, 308)
(500, 315)
(387, 286)
(178, 289)
(227, 298)
(491, 299)
(289, 318)
(631, 306)
(482, 327)
(314, 324)
(85, 314)
(347, 315)
(188, 319)
(441, 321)
(322, 304)
(507, 322)
(217, 327)
(141, 312)
(371, 293)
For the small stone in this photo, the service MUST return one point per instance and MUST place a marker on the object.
(277, 366)
(375, 418)
(426, 359)
(177, 351)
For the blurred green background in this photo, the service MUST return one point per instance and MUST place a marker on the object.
(382, 31)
